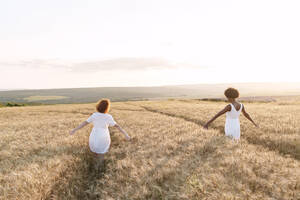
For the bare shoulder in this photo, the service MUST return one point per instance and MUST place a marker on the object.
(228, 107)
(243, 107)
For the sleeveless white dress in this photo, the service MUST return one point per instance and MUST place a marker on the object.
(99, 140)
(232, 124)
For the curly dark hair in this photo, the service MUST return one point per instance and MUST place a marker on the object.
(231, 93)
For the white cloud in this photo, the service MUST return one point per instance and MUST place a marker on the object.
(124, 64)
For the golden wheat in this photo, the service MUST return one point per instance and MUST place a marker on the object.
(170, 156)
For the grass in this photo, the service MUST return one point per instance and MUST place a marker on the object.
(250, 91)
(170, 155)
(43, 98)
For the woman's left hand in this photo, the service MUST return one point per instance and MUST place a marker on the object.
(72, 132)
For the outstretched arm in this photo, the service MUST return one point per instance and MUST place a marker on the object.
(248, 116)
(122, 131)
(226, 109)
(83, 124)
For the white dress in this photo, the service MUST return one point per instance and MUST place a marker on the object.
(232, 124)
(99, 140)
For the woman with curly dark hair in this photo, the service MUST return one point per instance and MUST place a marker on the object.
(233, 111)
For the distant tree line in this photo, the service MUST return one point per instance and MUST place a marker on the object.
(13, 104)
(10, 104)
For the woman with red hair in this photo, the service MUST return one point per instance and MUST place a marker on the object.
(99, 140)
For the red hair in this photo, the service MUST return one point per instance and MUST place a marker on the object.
(103, 106)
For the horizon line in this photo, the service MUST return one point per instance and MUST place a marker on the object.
(151, 86)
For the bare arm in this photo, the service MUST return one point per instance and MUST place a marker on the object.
(248, 116)
(122, 131)
(83, 124)
(226, 109)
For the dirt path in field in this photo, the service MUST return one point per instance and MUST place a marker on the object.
(283, 148)
(81, 180)
(198, 122)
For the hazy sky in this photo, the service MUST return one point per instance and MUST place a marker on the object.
(90, 43)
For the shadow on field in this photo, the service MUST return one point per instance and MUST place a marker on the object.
(285, 148)
(77, 181)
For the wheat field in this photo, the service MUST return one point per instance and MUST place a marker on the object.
(170, 155)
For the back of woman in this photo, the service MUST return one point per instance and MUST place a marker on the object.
(233, 111)
(99, 140)
(101, 120)
(232, 124)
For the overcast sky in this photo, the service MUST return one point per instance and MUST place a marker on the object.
(93, 43)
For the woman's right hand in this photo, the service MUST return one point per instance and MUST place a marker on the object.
(127, 137)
